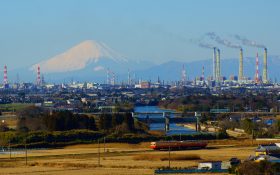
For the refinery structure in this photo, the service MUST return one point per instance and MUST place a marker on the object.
(215, 80)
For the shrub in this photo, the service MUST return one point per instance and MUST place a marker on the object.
(164, 157)
(254, 168)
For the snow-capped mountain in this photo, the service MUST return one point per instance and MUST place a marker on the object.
(90, 61)
(86, 61)
(78, 57)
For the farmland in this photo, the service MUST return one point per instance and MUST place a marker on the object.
(118, 158)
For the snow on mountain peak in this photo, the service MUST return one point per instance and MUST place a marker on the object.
(77, 57)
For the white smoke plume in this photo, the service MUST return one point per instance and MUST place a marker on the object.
(201, 43)
(222, 41)
(248, 42)
(206, 45)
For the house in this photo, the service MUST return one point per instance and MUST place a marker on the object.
(269, 158)
(214, 165)
(269, 122)
(266, 149)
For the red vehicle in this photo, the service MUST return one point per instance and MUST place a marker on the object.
(187, 144)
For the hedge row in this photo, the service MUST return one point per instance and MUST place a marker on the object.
(49, 138)
(45, 139)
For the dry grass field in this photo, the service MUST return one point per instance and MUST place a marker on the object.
(9, 119)
(119, 159)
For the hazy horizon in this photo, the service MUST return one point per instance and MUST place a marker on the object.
(158, 31)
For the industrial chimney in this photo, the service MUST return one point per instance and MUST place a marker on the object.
(264, 77)
(203, 75)
(5, 82)
(214, 64)
(218, 66)
(183, 76)
(257, 80)
(240, 72)
(38, 80)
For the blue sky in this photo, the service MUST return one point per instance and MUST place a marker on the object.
(157, 30)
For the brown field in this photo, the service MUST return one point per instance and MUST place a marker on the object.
(164, 157)
(119, 159)
(10, 120)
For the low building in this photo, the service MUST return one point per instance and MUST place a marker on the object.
(269, 158)
(145, 85)
(266, 149)
(214, 165)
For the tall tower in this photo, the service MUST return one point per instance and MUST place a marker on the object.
(108, 76)
(264, 77)
(43, 80)
(17, 79)
(240, 72)
(218, 66)
(5, 82)
(158, 80)
(183, 76)
(214, 64)
(129, 78)
(203, 75)
(38, 80)
(113, 79)
(257, 80)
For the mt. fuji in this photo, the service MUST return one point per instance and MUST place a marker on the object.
(89, 61)
(78, 57)
(86, 61)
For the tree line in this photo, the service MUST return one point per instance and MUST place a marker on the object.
(232, 102)
(35, 119)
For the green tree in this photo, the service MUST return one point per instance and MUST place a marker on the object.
(247, 125)
(30, 119)
(129, 120)
(105, 122)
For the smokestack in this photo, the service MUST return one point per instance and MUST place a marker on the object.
(264, 78)
(5, 82)
(257, 69)
(214, 64)
(38, 76)
(203, 76)
(43, 80)
(218, 66)
(129, 78)
(240, 72)
(108, 76)
(184, 76)
(113, 79)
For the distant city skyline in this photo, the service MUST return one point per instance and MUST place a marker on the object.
(158, 31)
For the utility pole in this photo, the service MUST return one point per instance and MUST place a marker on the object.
(10, 149)
(252, 131)
(252, 136)
(104, 144)
(180, 136)
(25, 151)
(169, 156)
(197, 115)
(98, 152)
